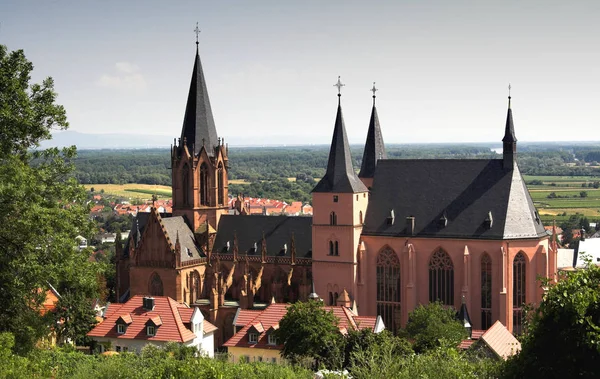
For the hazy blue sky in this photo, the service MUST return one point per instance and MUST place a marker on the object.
(442, 67)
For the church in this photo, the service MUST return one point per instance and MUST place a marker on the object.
(400, 233)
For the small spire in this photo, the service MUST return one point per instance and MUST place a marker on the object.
(339, 86)
(374, 90)
(509, 88)
(313, 295)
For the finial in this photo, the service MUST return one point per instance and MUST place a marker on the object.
(339, 86)
(509, 88)
(374, 90)
(197, 31)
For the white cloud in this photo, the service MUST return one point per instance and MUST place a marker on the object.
(128, 77)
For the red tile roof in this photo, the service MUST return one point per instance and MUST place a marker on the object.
(171, 315)
(244, 316)
(268, 319)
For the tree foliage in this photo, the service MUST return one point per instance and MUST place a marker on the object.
(434, 325)
(563, 334)
(42, 207)
(309, 332)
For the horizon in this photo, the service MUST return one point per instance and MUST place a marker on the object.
(442, 69)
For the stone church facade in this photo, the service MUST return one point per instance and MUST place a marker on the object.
(399, 234)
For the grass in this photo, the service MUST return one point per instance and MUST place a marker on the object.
(130, 190)
(561, 179)
(238, 181)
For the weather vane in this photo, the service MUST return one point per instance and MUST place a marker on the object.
(509, 88)
(197, 30)
(339, 86)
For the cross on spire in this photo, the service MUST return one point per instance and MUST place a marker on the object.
(509, 88)
(197, 31)
(339, 86)
(374, 90)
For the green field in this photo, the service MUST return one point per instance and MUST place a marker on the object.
(567, 199)
(132, 190)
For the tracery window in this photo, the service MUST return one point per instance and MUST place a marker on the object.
(486, 292)
(220, 183)
(388, 288)
(195, 287)
(156, 285)
(203, 184)
(441, 278)
(519, 289)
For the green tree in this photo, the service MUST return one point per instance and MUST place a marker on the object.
(309, 332)
(434, 325)
(42, 208)
(563, 334)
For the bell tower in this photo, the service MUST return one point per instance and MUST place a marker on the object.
(339, 201)
(199, 160)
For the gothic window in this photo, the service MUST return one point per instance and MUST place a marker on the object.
(221, 183)
(156, 285)
(441, 278)
(332, 218)
(195, 288)
(519, 289)
(186, 185)
(203, 184)
(335, 297)
(336, 251)
(486, 292)
(388, 288)
(331, 248)
(330, 298)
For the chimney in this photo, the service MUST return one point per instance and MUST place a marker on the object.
(148, 303)
(410, 225)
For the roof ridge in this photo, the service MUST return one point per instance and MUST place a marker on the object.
(176, 316)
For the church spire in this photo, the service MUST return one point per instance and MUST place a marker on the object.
(198, 123)
(340, 176)
(509, 142)
(374, 147)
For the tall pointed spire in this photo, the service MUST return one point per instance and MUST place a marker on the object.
(340, 176)
(198, 123)
(374, 147)
(509, 142)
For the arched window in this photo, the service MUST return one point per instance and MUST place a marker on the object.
(519, 289)
(336, 250)
(330, 298)
(360, 217)
(203, 184)
(388, 288)
(220, 183)
(441, 278)
(486, 292)
(331, 251)
(332, 218)
(155, 285)
(335, 297)
(186, 185)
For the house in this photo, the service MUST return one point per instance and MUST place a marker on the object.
(590, 248)
(82, 242)
(153, 320)
(255, 341)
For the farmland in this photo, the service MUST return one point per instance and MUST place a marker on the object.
(132, 191)
(558, 197)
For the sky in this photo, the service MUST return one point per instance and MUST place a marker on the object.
(442, 67)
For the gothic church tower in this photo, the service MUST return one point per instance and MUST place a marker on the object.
(339, 201)
(199, 161)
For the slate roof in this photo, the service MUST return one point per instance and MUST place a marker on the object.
(340, 176)
(374, 147)
(177, 226)
(277, 231)
(509, 130)
(173, 316)
(198, 122)
(451, 198)
(270, 317)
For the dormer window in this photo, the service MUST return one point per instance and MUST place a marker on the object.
(272, 339)
(253, 337)
(151, 330)
(121, 329)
